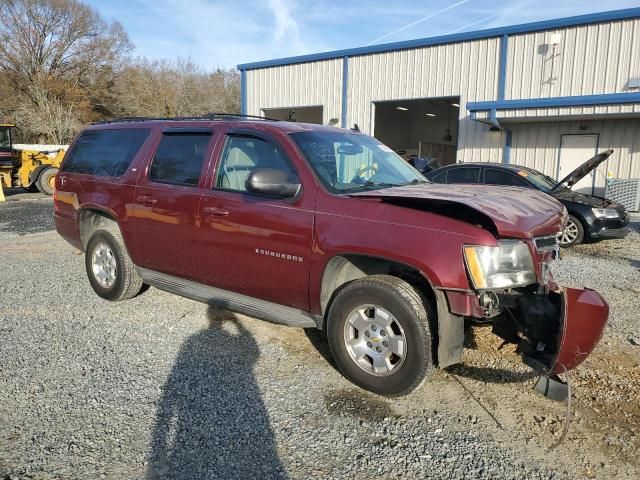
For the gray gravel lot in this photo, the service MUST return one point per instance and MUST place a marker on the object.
(164, 387)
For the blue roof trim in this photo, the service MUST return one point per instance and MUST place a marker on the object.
(453, 38)
(575, 101)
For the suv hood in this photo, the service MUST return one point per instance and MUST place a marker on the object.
(583, 170)
(513, 212)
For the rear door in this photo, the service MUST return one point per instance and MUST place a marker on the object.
(164, 215)
(251, 244)
(499, 176)
(463, 175)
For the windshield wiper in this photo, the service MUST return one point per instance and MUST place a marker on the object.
(416, 181)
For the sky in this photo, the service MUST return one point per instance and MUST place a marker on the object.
(224, 33)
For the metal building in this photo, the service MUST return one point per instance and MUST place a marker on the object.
(545, 95)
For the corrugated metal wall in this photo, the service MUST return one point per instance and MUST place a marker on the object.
(589, 59)
(305, 84)
(537, 145)
(468, 70)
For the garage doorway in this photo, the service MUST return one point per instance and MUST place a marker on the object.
(312, 114)
(426, 127)
(574, 151)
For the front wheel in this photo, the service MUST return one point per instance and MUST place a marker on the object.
(46, 180)
(379, 333)
(573, 233)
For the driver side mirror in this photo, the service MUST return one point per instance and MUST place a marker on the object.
(273, 182)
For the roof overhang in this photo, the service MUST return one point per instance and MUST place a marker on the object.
(587, 19)
(608, 105)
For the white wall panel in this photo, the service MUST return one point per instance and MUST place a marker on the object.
(304, 84)
(468, 70)
(536, 145)
(589, 60)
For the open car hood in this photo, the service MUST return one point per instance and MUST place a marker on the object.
(583, 170)
(514, 212)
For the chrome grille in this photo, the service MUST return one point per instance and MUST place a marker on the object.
(547, 243)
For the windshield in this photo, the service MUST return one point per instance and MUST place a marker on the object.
(347, 161)
(5, 138)
(539, 180)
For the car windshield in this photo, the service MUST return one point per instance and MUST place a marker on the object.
(5, 139)
(347, 162)
(539, 180)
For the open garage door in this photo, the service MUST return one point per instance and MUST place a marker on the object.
(296, 114)
(424, 128)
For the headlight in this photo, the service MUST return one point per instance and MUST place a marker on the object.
(605, 213)
(505, 266)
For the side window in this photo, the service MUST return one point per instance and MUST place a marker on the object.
(464, 175)
(440, 177)
(105, 153)
(179, 157)
(241, 155)
(493, 176)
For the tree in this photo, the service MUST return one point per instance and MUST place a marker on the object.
(52, 54)
(62, 66)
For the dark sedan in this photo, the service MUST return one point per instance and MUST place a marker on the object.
(590, 217)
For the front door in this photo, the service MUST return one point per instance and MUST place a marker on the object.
(251, 244)
(574, 151)
(164, 214)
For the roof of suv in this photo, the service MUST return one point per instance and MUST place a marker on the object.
(238, 121)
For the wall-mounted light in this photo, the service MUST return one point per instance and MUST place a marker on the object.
(430, 114)
(404, 109)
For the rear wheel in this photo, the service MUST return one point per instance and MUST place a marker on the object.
(46, 180)
(573, 233)
(111, 271)
(379, 333)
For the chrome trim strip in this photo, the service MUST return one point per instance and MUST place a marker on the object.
(235, 302)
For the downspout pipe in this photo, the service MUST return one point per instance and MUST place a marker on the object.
(506, 152)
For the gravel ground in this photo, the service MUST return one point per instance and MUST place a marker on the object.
(24, 213)
(164, 387)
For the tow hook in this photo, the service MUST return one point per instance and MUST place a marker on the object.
(552, 386)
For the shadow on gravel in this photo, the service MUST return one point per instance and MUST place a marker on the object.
(211, 421)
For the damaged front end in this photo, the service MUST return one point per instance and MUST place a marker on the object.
(554, 328)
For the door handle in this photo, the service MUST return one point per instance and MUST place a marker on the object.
(146, 200)
(219, 212)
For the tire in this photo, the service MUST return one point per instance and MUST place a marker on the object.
(366, 302)
(45, 180)
(573, 234)
(111, 256)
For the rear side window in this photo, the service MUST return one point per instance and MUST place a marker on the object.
(440, 177)
(179, 158)
(105, 153)
(463, 175)
(493, 176)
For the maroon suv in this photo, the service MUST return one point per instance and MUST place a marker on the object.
(313, 226)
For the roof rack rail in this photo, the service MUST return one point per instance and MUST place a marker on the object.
(207, 116)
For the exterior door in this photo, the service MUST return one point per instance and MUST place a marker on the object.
(574, 151)
(251, 244)
(164, 215)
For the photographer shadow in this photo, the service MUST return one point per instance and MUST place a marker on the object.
(211, 421)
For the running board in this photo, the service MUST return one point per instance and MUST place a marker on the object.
(236, 302)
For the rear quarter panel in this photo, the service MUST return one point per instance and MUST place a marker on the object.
(113, 196)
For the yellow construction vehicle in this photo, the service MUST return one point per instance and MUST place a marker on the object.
(33, 170)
